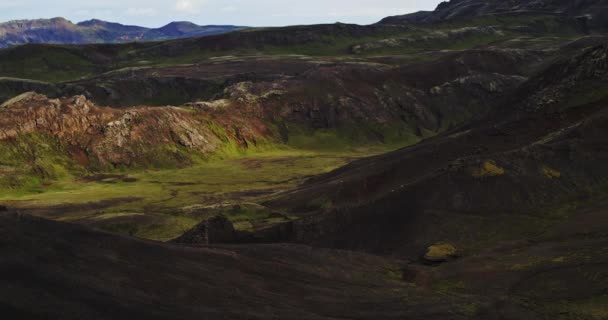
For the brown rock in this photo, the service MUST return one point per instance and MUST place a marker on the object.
(217, 229)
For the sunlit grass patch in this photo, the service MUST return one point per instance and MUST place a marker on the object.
(488, 169)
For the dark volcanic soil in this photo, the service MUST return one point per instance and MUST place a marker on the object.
(51, 270)
(527, 160)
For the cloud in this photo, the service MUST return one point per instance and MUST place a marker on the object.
(89, 14)
(141, 12)
(189, 6)
(229, 9)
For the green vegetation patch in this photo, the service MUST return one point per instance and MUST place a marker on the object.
(30, 161)
(356, 135)
(551, 173)
(52, 63)
(488, 169)
(160, 198)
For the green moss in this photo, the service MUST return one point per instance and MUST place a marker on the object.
(320, 203)
(551, 173)
(448, 286)
(128, 228)
(30, 160)
(468, 309)
(351, 136)
(395, 275)
(595, 308)
(592, 92)
(51, 63)
(246, 212)
(162, 193)
(168, 228)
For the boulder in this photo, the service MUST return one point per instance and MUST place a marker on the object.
(441, 252)
(217, 229)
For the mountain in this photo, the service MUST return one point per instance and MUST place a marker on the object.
(183, 29)
(60, 30)
(593, 12)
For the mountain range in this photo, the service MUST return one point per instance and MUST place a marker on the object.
(60, 30)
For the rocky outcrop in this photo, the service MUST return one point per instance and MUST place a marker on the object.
(217, 229)
(378, 95)
(375, 102)
(100, 137)
(575, 80)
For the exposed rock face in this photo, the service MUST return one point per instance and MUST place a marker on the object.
(379, 102)
(106, 136)
(330, 96)
(562, 86)
(214, 230)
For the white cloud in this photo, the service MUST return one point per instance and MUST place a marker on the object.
(229, 9)
(90, 14)
(141, 12)
(369, 11)
(10, 5)
(189, 6)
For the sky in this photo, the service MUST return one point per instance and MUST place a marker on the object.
(156, 13)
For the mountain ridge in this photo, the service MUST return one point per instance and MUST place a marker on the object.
(591, 12)
(62, 31)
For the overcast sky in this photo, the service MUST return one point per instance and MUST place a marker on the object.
(155, 13)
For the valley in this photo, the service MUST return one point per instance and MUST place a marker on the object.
(436, 165)
(162, 204)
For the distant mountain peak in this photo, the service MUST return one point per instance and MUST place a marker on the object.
(180, 24)
(92, 22)
(63, 31)
(32, 22)
(178, 28)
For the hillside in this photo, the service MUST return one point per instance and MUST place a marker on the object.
(519, 163)
(62, 31)
(80, 272)
(441, 165)
(590, 13)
